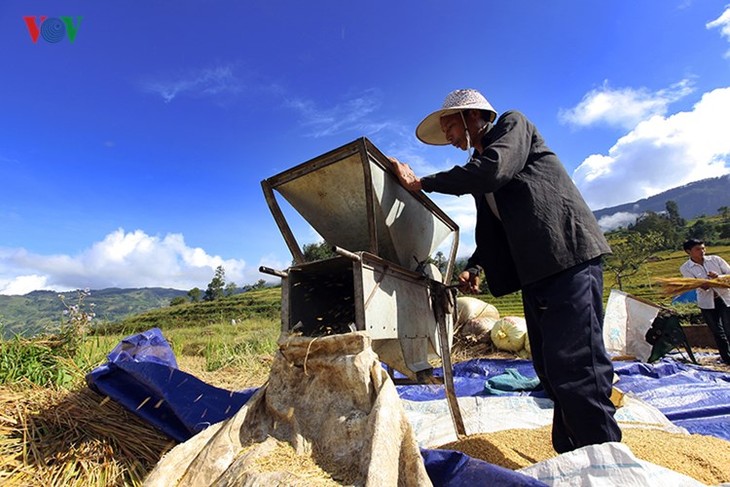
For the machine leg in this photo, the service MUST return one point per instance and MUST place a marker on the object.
(443, 305)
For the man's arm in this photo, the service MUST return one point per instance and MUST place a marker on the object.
(505, 155)
(724, 267)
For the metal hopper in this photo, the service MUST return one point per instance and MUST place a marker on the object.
(353, 200)
(381, 281)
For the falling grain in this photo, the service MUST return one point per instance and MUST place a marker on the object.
(143, 403)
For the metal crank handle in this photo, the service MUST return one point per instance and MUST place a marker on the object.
(273, 272)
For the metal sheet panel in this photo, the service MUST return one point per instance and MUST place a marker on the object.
(352, 199)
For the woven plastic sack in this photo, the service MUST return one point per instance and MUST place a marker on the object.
(509, 333)
(469, 308)
(329, 398)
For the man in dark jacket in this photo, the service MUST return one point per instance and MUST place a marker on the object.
(534, 233)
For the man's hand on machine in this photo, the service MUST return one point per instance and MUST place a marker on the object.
(406, 175)
(469, 282)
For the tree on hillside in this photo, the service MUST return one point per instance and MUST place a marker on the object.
(673, 214)
(194, 294)
(178, 300)
(440, 261)
(630, 253)
(703, 230)
(724, 230)
(670, 234)
(216, 285)
(317, 251)
(231, 289)
(724, 212)
(260, 284)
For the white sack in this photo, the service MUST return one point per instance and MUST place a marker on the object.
(626, 321)
(469, 308)
(326, 396)
(509, 333)
(606, 465)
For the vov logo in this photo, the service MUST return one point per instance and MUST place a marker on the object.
(52, 29)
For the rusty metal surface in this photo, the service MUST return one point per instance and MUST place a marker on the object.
(368, 293)
(352, 199)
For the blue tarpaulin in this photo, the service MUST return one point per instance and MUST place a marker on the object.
(686, 297)
(470, 379)
(449, 468)
(692, 397)
(695, 398)
(142, 375)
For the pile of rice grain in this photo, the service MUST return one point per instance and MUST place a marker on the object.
(704, 458)
(280, 457)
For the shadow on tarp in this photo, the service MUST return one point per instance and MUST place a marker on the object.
(142, 375)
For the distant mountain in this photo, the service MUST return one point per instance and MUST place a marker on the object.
(40, 311)
(693, 200)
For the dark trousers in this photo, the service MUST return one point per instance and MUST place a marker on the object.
(718, 320)
(564, 315)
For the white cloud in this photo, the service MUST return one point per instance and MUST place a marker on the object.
(660, 153)
(623, 107)
(621, 219)
(723, 23)
(353, 114)
(121, 259)
(204, 82)
(22, 284)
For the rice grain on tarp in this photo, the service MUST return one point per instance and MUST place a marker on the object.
(704, 458)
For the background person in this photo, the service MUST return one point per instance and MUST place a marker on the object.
(714, 302)
(534, 232)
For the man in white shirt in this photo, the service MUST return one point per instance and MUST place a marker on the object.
(714, 302)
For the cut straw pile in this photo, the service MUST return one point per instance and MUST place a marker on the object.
(672, 286)
(73, 438)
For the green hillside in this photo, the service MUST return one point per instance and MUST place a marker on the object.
(266, 303)
(42, 311)
(258, 304)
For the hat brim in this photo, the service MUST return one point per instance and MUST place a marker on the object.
(429, 130)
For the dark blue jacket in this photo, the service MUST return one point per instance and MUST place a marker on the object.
(545, 227)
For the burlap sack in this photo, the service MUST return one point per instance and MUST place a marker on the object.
(329, 398)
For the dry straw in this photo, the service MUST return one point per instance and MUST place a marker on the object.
(672, 286)
(73, 438)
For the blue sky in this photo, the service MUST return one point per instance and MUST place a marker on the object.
(133, 155)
